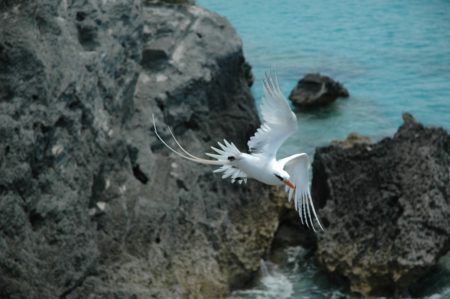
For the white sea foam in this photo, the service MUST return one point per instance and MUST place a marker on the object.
(445, 294)
(272, 285)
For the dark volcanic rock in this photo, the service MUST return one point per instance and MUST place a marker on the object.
(66, 81)
(386, 208)
(315, 90)
(91, 204)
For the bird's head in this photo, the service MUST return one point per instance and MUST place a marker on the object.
(284, 177)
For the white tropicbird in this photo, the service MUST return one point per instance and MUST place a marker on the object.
(279, 122)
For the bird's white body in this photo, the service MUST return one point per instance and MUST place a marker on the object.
(261, 163)
(258, 168)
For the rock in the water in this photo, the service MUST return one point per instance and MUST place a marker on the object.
(315, 90)
(387, 208)
(91, 204)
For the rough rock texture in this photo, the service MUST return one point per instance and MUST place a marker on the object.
(91, 205)
(315, 90)
(351, 140)
(386, 210)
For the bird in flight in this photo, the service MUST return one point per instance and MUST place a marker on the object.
(279, 122)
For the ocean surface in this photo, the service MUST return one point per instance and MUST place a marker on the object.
(393, 56)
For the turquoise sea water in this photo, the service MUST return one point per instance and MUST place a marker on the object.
(393, 56)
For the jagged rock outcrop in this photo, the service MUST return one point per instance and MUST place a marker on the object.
(351, 140)
(385, 208)
(315, 90)
(91, 204)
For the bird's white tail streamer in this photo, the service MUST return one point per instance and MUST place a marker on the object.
(226, 156)
(184, 153)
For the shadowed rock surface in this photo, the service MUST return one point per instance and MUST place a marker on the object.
(291, 232)
(386, 208)
(315, 90)
(91, 204)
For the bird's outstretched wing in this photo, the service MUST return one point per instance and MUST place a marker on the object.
(279, 122)
(297, 167)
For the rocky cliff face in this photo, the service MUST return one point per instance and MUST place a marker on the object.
(386, 208)
(91, 204)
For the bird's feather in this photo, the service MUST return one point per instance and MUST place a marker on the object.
(297, 167)
(229, 152)
(279, 122)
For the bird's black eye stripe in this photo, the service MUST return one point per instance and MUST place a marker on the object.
(279, 177)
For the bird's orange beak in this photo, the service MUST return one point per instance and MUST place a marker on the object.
(289, 183)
